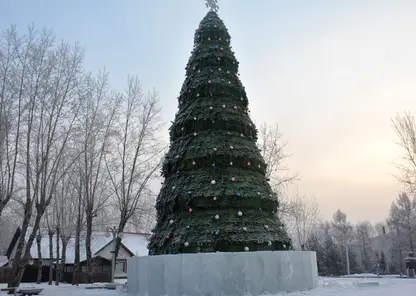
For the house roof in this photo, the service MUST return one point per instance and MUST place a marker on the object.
(134, 243)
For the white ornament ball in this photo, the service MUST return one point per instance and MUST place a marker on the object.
(235, 107)
(258, 193)
(194, 118)
(231, 147)
(231, 163)
(284, 246)
(210, 107)
(212, 182)
(245, 228)
(240, 213)
(216, 217)
(246, 249)
(223, 106)
(171, 221)
(197, 94)
(266, 226)
(241, 135)
(195, 134)
(173, 187)
(186, 244)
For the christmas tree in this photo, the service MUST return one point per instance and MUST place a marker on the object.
(215, 196)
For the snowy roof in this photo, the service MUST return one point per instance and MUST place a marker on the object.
(135, 242)
(3, 261)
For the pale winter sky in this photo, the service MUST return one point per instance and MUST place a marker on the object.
(330, 73)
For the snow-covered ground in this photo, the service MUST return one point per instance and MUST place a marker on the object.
(386, 286)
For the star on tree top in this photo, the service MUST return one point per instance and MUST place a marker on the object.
(212, 5)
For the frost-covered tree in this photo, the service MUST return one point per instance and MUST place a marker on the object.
(364, 232)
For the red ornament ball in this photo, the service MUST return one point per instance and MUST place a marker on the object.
(222, 48)
(214, 198)
(233, 179)
(249, 163)
(193, 163)
(190, 210)
(214, 149)
(167, 237)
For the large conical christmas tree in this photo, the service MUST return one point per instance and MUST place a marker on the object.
(215, 196)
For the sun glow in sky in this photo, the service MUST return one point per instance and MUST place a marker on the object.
(330, 73)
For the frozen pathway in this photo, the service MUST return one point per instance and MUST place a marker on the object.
(327, 287)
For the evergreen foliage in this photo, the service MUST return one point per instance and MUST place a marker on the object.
(215, 196)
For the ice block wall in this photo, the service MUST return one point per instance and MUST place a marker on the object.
(222, 274)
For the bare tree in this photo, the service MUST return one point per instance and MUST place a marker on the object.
(137, 154)
(96, 125)
(305, 218)
(405, 130)
(65, 203)
(273, 151)
(344, 233)
(393, 222)
(76, 182)
(13, 67)
(402, 225)
(363, 236)
(49, 74)
(50, 223)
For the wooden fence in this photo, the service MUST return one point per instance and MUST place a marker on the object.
(31, 274)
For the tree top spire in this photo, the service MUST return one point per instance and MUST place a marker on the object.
(212, 5)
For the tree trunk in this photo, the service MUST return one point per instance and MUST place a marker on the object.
(63, 257)
(38, 242)
(15, 282)
(58, 274)
(120, 230)
(20, 263)
(75, 276)
(50, 234)
(88, 244)
(77, 267)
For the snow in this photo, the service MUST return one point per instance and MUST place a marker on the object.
(387, 286)
(136, 243)
(3, 261)
(362, 275)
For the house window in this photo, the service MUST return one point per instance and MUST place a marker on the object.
(120, 267)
